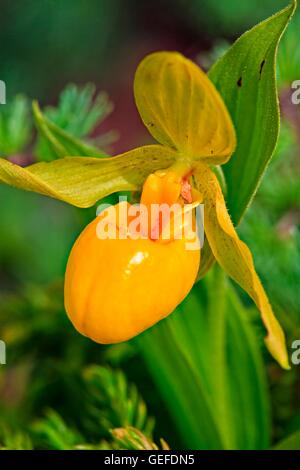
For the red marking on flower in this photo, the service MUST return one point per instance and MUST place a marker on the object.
(186, 191)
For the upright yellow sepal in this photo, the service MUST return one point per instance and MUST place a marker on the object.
(182, 109)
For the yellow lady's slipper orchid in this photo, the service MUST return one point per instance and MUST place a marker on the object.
(117, 288)
(114, 289)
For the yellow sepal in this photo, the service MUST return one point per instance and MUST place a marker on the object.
(182, 109)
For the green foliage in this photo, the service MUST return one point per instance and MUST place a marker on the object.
(291, 442)
(210, 388)
(61, 129)
(102, 397)
(245, 77)
(206, 361)
(289, 54)
(110, 402)
(121, 404)
(228, 18)
(78, 112)
(132, 439)
(75, 117)
(53, 433)
(16, 441)
(272, 228)
(15, 126)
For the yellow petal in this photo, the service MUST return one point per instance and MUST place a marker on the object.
(236, 259)
(182, 109)
(82, 181)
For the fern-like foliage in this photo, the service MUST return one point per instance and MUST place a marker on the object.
(78, 113)
(130, 438)
(117, 418)
(119, 401)
(52, 432)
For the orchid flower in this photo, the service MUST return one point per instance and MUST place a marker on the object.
(115, 289)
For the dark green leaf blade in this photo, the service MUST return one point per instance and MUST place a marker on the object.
(292, 442)
(208, 367)
(245, 77)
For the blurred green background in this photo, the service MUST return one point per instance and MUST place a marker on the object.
(51, 393)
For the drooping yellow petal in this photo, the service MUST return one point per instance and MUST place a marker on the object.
(182, 109)
(236, 259)
(82, 181)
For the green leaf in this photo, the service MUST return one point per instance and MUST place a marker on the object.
(291, 442)
(15, 440)
(15, 126)
(114, 402)
(84, 181)
(61, 142)
(245, 77)
(77, 114)
(248, 400)
(207, 364)
(53, 433)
